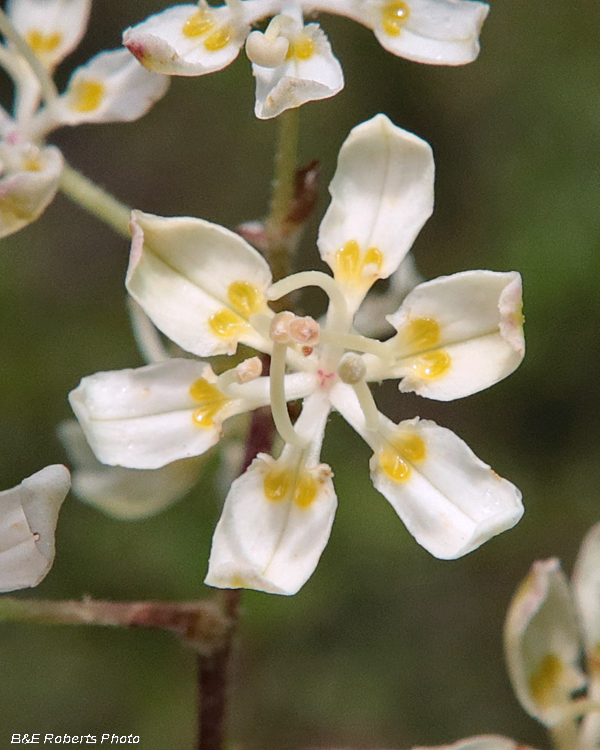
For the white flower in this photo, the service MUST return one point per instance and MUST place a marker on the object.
(111, 87)
(548, 625)
(29, 179)
(292, 61)
(207, 289)
(28, 516)
(52, 28)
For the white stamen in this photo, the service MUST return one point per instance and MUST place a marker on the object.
(351, 368)
(282, 420)
(314, 278)
(357, 343)
(367, 404)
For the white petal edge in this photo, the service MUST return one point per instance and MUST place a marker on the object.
(438, 32)
(111, 87)
(450, 500)
(28, 517)
(478, 314)
(161, 46)
(68, 18)
(180, 272)
(296, 82)
(541, 641)
(381, 193)
(125, 494)
(30, 186)
(144, 418)
(271, 546)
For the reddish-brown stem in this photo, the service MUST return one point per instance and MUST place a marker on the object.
(213, 668)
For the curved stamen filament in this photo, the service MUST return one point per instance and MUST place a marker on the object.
(356, 342)
(314, 278)
(367, 404)
(279, 410)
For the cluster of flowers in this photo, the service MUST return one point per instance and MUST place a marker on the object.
(208, 290)
(111, 87)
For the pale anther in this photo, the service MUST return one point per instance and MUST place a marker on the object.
(305, 331)
(279, 331)
(266, 51)
(248, 370)
(351, 368)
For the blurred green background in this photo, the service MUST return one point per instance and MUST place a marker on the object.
(385, 646)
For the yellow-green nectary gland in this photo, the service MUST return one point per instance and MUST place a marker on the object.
(283, 483)
(397, 455)
(243, 297)
(431, 365)
(394, 14)
(86, 96)
(197, 24)
(211, 400)
(201, 24)
(302, 48)
(421, 333)
(42, 43)
(351, 263)
(544, 680)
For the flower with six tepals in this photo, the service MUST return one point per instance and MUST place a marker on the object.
(208, 290)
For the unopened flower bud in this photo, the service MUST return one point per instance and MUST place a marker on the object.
(351, 368)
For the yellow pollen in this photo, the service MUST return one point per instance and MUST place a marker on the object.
(421, 333)
(432, 365)
(86, 96)
(394, 15)
(302, 48)
(237, 582)
(43, 43)
(244, 297)
(226, 324)
(197, 24)
(218, 39)
(350, 264)
(211, 401)
(543, 682)
(280, 483)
